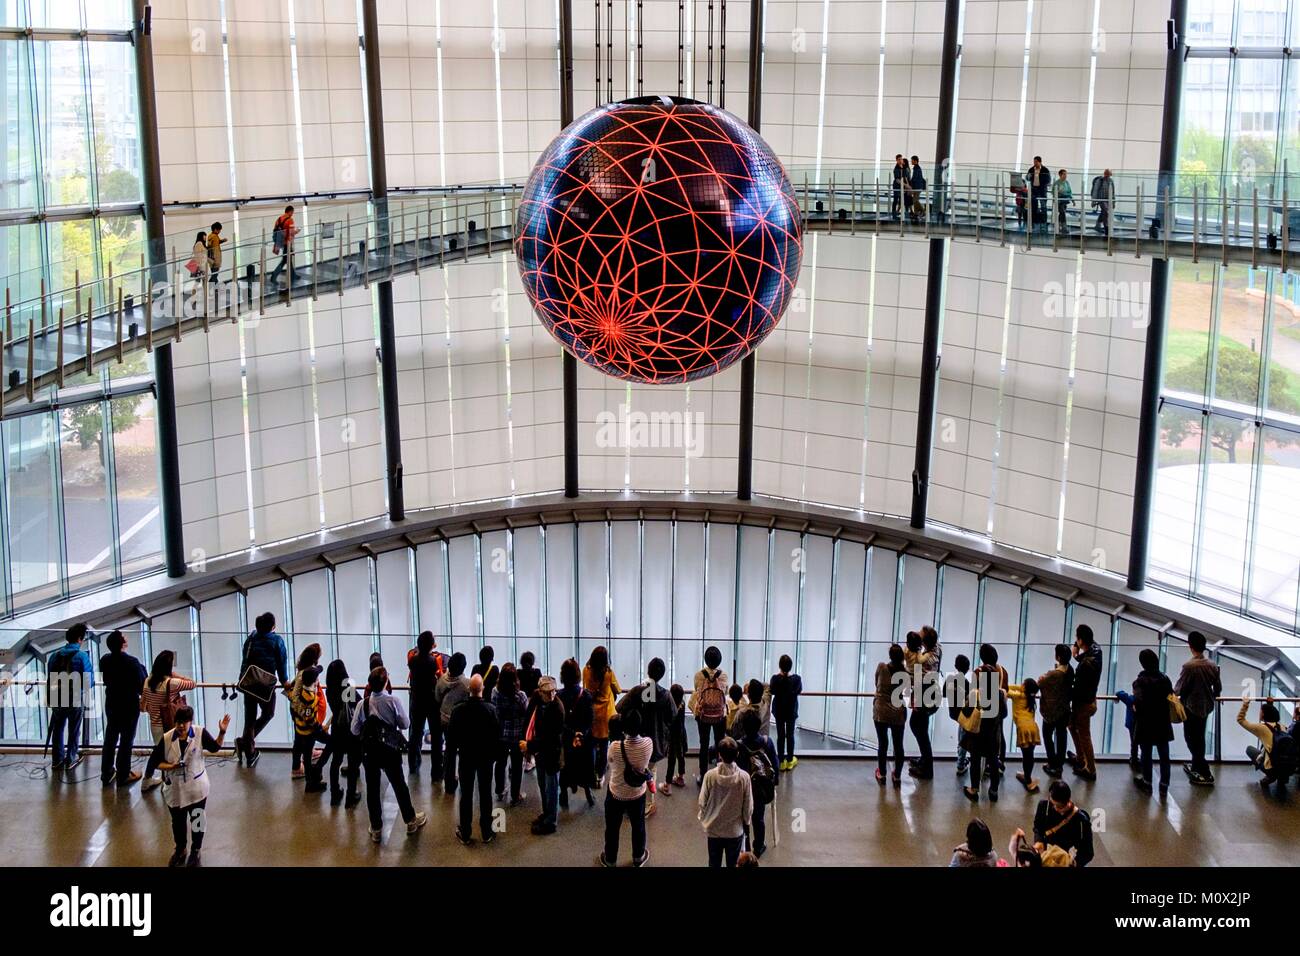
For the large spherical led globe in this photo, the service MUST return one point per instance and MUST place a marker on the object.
(659, 239)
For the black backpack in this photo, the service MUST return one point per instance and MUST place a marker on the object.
(1285, 753)
(379, 736)
(762, 775)
(66, 660)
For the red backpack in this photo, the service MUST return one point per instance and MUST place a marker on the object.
(713, 700)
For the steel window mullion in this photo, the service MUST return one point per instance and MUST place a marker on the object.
(860, 705)
(830, 636)
(54, 428)
(110, 491)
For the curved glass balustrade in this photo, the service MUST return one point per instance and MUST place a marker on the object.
(663, 588)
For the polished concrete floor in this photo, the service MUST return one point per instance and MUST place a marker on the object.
(831, 813)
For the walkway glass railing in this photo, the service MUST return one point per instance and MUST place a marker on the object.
(832, 719)
(343, 244)
(55, 335)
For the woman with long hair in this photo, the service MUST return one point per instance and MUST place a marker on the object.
(889, 712)
(599, 680)
(343, 699)
(162, 691)
(512, 707)
(578, 769)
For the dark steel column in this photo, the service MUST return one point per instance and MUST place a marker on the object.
(934, 275)
(1148, 450)
(570, 364)
(749, 364)
(169, 462)
(383, 290)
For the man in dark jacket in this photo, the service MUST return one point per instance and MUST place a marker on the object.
(424, 667)
(546, 717)
(657, 710)
(1058, 822)
(901, 179)
(123, 681)
(1039, 180)
(477, 733)
(1083, 701)
(265, 649)
(916, 186)
(1199, 686)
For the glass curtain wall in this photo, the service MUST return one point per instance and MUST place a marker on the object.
(1230, 418)
(656, 587)
(79, 484)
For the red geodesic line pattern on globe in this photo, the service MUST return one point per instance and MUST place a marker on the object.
(671, 247)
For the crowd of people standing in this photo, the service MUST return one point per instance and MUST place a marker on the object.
(484, 729)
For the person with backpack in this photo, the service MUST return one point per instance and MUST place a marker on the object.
(889, 712)
(163, 695)
(424, 667)
(1152, 726)
(785, 688)
(451, 691)
(477, 735)
(69, 677)
(956, 691)
(180, 756)
(1277, 754)
(343, 699)
(756, 755)
(1102, 194)
(726, 805)
(512, 709)
(1054, 689)
(1083, 701)
(658, 711)
(1059, 823)
(124, 678)
(265, 650)
(985, 740)
(282, 236)
(709, 705)
(1199, 686)
(578, 770)
(758, 699)
(487, 670)
(379, 723)
(629, 777)
(307, 707)
(544, 742)
(599, 680)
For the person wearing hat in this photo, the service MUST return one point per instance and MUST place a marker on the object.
(544, 742)
(307, 704)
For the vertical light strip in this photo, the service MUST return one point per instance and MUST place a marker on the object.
(451, 418)
(808, 363)
(442, 129)
(1006, 305)
(306, 216)
(497, 43)
(871, 287)
(243, 344)
(1078, 284)
(821, 88)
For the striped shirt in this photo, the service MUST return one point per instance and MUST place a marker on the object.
(639, 750)
(151, 701)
